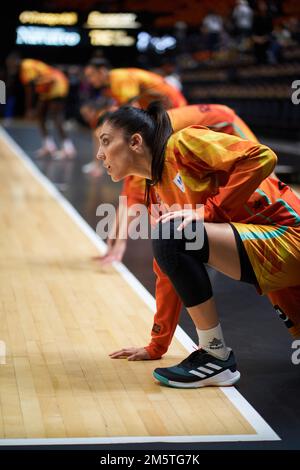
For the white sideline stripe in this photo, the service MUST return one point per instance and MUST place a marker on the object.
(213, 366)
(263, 431)
(204, 369)
(202, 376)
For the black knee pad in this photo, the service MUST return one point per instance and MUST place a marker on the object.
(165, 250)
(168, 244)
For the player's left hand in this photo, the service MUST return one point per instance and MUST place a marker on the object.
(115, 252)
(187, 216)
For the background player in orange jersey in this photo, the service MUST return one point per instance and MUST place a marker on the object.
(52, 87)
(91, 111)
(131, 84)
(251, 231)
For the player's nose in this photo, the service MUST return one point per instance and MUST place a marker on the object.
(100, 155)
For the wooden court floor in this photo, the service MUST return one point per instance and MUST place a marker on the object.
(60, 317)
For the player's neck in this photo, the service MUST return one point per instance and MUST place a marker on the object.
(142, 164)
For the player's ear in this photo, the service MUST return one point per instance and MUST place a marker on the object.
(136, 142)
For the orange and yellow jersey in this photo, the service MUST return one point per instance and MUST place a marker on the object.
(128, 83)
(215, 116)
(228, 176)
(49, 82)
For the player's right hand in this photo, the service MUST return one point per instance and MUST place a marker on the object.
(132, 354)
(115, 252)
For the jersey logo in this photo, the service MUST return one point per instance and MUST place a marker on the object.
(215, 344)
(179, 183)
(156, 328)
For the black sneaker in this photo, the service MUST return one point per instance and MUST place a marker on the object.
(199, 369)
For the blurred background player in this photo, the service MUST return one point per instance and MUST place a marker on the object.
(137, 86)
(91, 110)
(122, 86)
(51, 87)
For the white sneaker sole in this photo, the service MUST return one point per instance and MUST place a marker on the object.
(224, 379)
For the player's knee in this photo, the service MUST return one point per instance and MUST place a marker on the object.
(166, 247)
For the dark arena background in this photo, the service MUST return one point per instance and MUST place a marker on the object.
(62, 311)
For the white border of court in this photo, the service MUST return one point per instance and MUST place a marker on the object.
(263, 431)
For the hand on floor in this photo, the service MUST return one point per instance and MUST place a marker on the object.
(115, 252)
(132, 354)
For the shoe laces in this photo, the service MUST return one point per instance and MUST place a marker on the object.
(193, 357)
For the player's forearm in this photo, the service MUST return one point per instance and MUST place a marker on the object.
(166, 318)
(121, 225)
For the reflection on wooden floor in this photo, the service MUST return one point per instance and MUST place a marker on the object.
(60, 317)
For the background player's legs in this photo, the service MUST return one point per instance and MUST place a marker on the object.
(57, 112)
(49, 146)
(42, 111)
(57, 109)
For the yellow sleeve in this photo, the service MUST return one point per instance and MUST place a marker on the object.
(167, 314)
(28, 71)
(124, 87)
(237, 166)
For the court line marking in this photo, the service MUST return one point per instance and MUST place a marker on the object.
(264, 432)
(2, 352)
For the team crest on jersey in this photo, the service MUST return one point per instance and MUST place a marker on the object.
(179, 183)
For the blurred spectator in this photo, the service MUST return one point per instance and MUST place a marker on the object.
(243, 19)
(180, 32)
(281, 38)
(212, 28)
(168, 71)
(294, 28)
(262, 30)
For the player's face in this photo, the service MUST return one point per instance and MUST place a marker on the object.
(115, 151)
(95, 76)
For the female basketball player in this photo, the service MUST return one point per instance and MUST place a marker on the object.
(251, 231)
(132, 84)
(215, 116)
(51, 87)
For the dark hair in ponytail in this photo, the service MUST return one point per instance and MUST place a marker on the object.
(155, 127)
